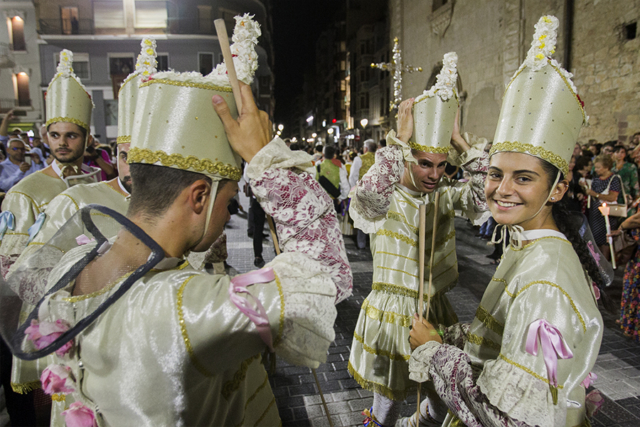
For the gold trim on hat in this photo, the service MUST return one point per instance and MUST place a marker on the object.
(124, 139)
(428, 149)
(127, 80)
(521, 147)
(68, 120)
(186, 84)
(144, 155)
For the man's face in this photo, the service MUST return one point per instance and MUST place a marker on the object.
(37, 142)
(607, 150)
(593, 149)
(16, 151)
(219, 216)
(428, 171)
(66, 141)
(577, 150)
(24, 137)
(123, 167)
(636, 139)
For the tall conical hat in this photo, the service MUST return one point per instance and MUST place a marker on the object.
(541, 112)
(128, 93)
(175, 124)
(67, 100)
(435, 110)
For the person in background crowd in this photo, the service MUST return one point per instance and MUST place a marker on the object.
(317, 155)
(579, 174)
(628, 173)
(4, 128)
(605, 187)
(577, 150)
(634, 141)
(630, 303)
(335, 172)
(594, 147)
(361, 165)
(99, 158)
(608, 147)
(39, 150)
(15, 167)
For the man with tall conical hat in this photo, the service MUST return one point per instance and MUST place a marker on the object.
(142, 338)
(526, 357)
(69, 107)
(385, 204)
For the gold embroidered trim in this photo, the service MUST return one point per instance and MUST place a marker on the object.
(281, 326)
(409, 203)
(253, 396)
(396, 270)
(186, 84)
(25, 388)
(483, 341)
(398, 236)
(68, 120)
(144, 155)
(232, 385)
(99, 292)
(522, 147)
(33, 202)
(72, 201)
(428, 149)
(527, 370)
(124, 139)
(127, 80)
(455, 264)
(443, 240)
(575, 95)
(59, 397)
(376, 387)
(394, 289)
(528, 245)
(397, 216)
(11, 233)
(42, 244)
(185, 335)
(265, 411)
(385, 316)
(442, 259)
(553, 285)
(384, 353)
(398, 255)
(483, 315)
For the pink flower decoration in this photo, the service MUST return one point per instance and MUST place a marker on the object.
(54, 379)
(78, 415)
(43, 334)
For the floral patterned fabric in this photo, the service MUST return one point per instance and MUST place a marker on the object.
(630, 304)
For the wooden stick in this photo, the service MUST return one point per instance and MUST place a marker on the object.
(421, 247)
(223, 38)
(276, 246)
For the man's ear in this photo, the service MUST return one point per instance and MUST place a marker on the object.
(198, 194)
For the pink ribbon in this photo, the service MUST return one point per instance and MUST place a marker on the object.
(258, 315)
(83, 240)
(590, 378)
(553, 346)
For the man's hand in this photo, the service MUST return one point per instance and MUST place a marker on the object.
(422, 332)
(457, 141)
(9, 116)
(405, 120)
(251, 131)
(24, 166)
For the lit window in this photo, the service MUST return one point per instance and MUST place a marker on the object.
(151, 14)
(17, 34)
(22, 90)
(108, 14)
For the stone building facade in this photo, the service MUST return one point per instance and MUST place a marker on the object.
(597, 42)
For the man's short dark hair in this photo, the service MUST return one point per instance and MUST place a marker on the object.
(329, 152)
(611, 143)
(581, 163)
(619, 147)
(157, 187)
(319, 148)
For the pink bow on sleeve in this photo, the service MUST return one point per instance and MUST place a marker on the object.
(553, 346)
(258, 315)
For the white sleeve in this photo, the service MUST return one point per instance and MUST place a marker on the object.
(355, 171)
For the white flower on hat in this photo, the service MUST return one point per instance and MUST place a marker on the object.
(147, 63)
(544, 42)
(243, 49)
(446, 79)
(65, 66)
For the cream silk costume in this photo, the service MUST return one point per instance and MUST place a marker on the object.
(389, 212)
(182, 353)
(25, 375)
(543, 280)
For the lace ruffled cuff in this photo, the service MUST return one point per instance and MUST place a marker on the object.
(420, 361)
(392, 140)
(517, 393)
(476, 151)
(456, 335)
(307, 312)
(276, 155)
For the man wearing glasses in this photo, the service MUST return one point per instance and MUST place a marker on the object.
(14, 167)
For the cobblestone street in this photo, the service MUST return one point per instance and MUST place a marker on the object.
(298, 400)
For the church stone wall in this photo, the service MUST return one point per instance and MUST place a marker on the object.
(492, 37)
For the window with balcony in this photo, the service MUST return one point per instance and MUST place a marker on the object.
(120, 66)
(80, 64)
(151, 14)
(205, 19)
(163, 62)
(69, 20)
(108, 14)
(229, 18)
(17, 34)
(205, 62)
(22, 90)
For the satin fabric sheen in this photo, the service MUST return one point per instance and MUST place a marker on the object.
(543, 280)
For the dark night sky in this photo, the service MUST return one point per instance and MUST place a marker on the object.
(296, 27)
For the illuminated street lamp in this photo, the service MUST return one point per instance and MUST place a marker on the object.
(330, 131)
(313, 135)
(280, 127)
(364, 123)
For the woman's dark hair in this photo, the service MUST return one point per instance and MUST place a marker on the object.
(567, 224)
(581, 163)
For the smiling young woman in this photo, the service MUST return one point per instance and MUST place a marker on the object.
(541, 292)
